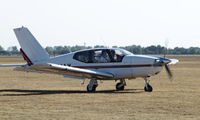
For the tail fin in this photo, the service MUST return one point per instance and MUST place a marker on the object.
(30, 48)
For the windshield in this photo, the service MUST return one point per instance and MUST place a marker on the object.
(123, 52)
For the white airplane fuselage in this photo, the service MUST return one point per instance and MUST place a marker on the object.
(131, 66)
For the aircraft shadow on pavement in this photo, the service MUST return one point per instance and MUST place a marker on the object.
(21, 92)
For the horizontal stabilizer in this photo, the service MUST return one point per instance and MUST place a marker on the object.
(12, 65)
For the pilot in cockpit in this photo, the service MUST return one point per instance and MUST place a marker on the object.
(104, 58)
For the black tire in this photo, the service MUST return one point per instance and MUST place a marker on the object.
(93, 88)
(119, 86)
(148, 88)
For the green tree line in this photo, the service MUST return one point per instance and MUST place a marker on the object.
(136, 49)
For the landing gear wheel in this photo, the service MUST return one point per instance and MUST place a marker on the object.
(119, 86)
(148, 88)
(93, 89)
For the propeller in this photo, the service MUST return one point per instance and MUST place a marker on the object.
(169, 72)
(163, 61)
(166, 62)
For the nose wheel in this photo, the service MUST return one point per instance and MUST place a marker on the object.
(147, 87)
(121, 85)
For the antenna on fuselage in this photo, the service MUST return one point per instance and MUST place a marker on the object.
(166, 47)
(84, 44)
(104, 43)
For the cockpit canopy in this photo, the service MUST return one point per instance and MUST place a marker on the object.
(101, 55)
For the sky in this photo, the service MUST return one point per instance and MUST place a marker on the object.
(103, 22)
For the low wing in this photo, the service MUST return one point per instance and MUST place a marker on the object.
(68, 70)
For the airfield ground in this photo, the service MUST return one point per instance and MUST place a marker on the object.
(26, 96)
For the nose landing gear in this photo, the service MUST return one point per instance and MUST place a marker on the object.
(147, 87)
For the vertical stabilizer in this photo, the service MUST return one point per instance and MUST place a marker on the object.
(30, 46)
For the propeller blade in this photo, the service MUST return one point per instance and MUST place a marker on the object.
(170, 75)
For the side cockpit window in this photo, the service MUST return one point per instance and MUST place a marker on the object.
(82, 56)
(99, 56)
(116, 55)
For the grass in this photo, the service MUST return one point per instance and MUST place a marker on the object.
(41, 96)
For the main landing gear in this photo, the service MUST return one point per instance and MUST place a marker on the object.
(121, 84)
(91, 87)
(147, 87)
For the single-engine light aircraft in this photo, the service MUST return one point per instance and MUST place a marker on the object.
(94, 64)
